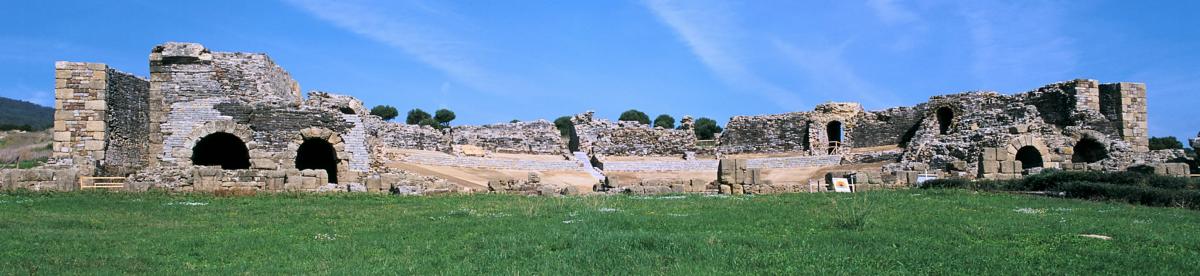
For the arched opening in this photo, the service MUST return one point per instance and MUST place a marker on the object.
(221, 149)
(945, 117)
(1030, 157)
(346, 110)
(1089, 150)
(317, 154)
(834, 132)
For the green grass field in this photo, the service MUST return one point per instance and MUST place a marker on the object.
(908, 231)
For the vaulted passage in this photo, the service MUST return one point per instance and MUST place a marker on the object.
(1030, 157)
(221, 149)
(945, 117)
(1089, 150)
(317, 154)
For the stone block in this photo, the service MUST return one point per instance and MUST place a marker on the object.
(96, 126)
(1007, 167)
(989, 167)
(95, 105)
(93, 145)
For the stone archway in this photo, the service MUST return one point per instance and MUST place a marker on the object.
(321, 148)
(1030, 158)
(221, 149)
(1088, 150)
(1028, 146)
(183, 154)
(318, 154)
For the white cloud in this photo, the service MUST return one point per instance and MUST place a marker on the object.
(827, 70)
(710, 30)
(428, 44)
(891, 12)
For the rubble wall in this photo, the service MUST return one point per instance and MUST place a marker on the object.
(537, 137)
(128, 125)
(893, 126)
(765, 134)
(625, 138)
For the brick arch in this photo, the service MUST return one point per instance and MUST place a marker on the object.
(330, 136)
(183, 154)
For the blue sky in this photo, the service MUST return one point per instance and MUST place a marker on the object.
(493, 61)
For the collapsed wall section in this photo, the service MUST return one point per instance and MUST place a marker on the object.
(625, 138)
(537, 137)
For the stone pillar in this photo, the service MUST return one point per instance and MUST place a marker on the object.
(80, 92)
(1128, 106)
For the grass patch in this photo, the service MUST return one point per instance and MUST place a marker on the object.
(892, 232)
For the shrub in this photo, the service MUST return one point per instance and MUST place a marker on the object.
(635, 116)
(1161, 143)
(386, 112)
(564, 125)
(415, 116)
(947, 183)
(1143, 195)
(664, 121)
(706, 129)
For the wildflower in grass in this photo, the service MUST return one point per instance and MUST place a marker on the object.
(187, 203)
(1028, 210)
(607, 210)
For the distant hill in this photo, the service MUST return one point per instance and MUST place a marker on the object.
(17, 113)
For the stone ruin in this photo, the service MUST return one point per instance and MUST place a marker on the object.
(217, 121)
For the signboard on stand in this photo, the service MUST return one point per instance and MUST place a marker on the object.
(841, 185)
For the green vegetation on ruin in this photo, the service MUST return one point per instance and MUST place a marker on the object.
(890, 232)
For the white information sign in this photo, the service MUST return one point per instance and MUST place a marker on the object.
(841, 185)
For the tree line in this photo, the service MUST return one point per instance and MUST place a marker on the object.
(705, 128)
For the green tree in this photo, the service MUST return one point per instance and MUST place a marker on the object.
(1161, 143)
(706, 129)
(564, 125)
(386, 112)
(664, 121)
(415, 116)
(443, 117)
(514, 121)
(429, 122)
(635, 116)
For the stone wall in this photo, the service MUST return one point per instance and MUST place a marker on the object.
(128, 125)
(537, 137)
(39, 179)
(101, 119)
(625, 138)
(797, 132)
(402, 136)
(79, 126)
(437, 159)
(712, 165)
(786, 132)
(213, 179)
(893, 126)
